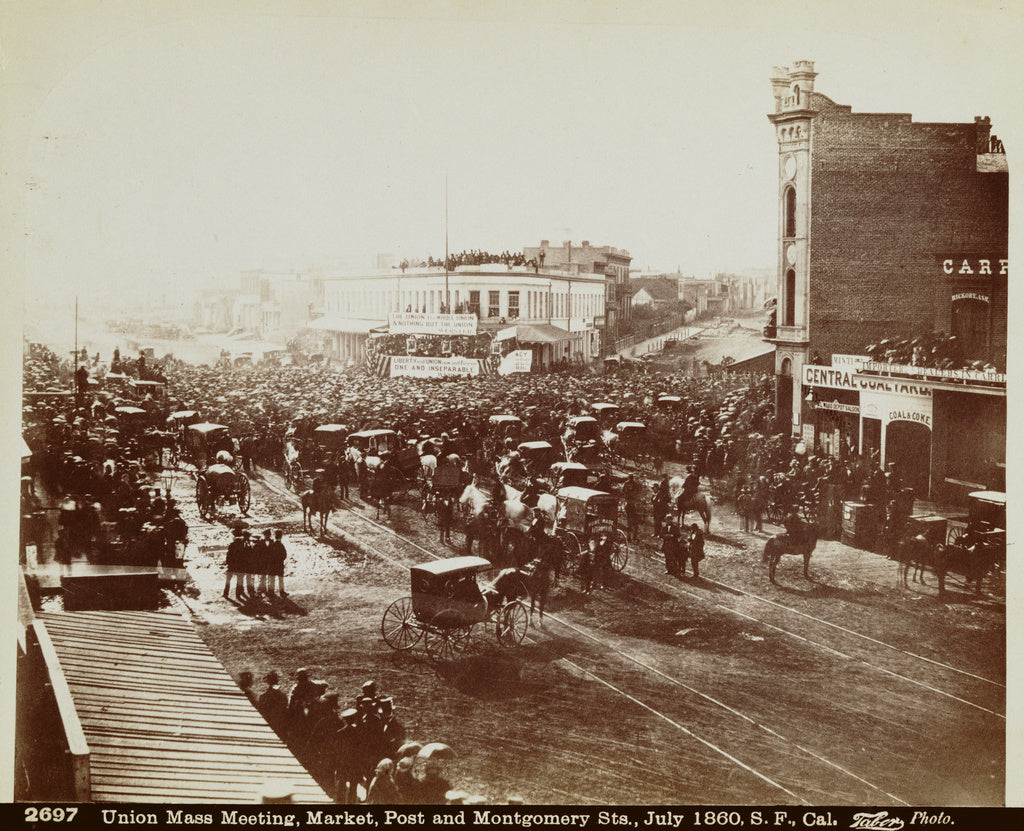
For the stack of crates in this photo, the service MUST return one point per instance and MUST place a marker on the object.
(860, 524)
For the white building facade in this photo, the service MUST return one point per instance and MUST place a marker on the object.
(556, 314)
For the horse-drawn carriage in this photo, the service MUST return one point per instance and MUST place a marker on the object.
(152, 390)
(384, 466)
(583, 439)
(203, 441)
(502, 430)
(537, 456)
(606, 413)
(444, 606)
(586, 518)
(220, 484)
(370, 444)
(630, 440)
(986, 522)
(568, 474)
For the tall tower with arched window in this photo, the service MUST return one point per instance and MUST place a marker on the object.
(793, 90)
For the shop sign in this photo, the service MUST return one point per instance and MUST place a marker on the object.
(975, 266)
(890, 407)
(422, 323)
(849, 379)
(838, 407)
(939, 374)
(970, 295)
(854, 361)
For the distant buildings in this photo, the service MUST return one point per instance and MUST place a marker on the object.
(723, 295)
(274, 306)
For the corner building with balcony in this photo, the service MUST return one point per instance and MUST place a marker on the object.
(891, 230)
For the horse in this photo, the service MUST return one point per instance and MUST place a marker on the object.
(521, 515)
(802, 543)
(384, 481)
(917, 552)
(320, 502)
(534, 580)
(974, 562)
(699, 503)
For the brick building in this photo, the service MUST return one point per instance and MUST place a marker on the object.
(890, 230)
(592, 259)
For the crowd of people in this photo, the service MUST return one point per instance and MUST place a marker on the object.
(87, 461)
(358, 753)
(476, 257)
(722, 425)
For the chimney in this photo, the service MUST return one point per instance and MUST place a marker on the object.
(544, 243)
(586, 243)
(982, 129)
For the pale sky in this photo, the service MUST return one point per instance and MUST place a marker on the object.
(175, 144)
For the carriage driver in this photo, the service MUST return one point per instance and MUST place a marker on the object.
(465, 590)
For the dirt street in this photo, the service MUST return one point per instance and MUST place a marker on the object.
(843, 689)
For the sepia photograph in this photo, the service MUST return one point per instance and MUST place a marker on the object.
(529, 408)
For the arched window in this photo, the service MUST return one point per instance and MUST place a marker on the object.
(789, 310)
(796, 94)
(787, 367)
(789, 208)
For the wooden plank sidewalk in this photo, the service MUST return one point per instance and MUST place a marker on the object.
(163, 719)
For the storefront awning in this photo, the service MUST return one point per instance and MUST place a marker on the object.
(338, 323)
(541, 333)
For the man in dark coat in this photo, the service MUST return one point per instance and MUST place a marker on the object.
(694, 551)
(276, 555)
(234, 564)
(262, 562)
(273, 705)
(671, 549)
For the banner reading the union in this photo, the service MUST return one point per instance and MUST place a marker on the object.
(410, 366)
(421, 323)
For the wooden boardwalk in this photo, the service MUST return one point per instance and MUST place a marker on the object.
(164, 720)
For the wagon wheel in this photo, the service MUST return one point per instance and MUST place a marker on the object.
(775, 514)
(512, 623)
(398, 625)
(446, 637)
(204, 501)
(620, 551)
(244, 494)
(955, 536)
(572, 551)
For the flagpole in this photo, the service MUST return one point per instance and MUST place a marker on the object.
(447, 299)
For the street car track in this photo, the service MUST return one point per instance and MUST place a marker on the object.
(662, 716)
(679, 589)
(676, 588)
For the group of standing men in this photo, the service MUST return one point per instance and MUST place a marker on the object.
(248, 560)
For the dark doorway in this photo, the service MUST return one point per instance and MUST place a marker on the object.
(970, 325)
(784, 403)
(908, 446)
(872, 436)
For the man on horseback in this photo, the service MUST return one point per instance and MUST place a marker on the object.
(691, 484)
